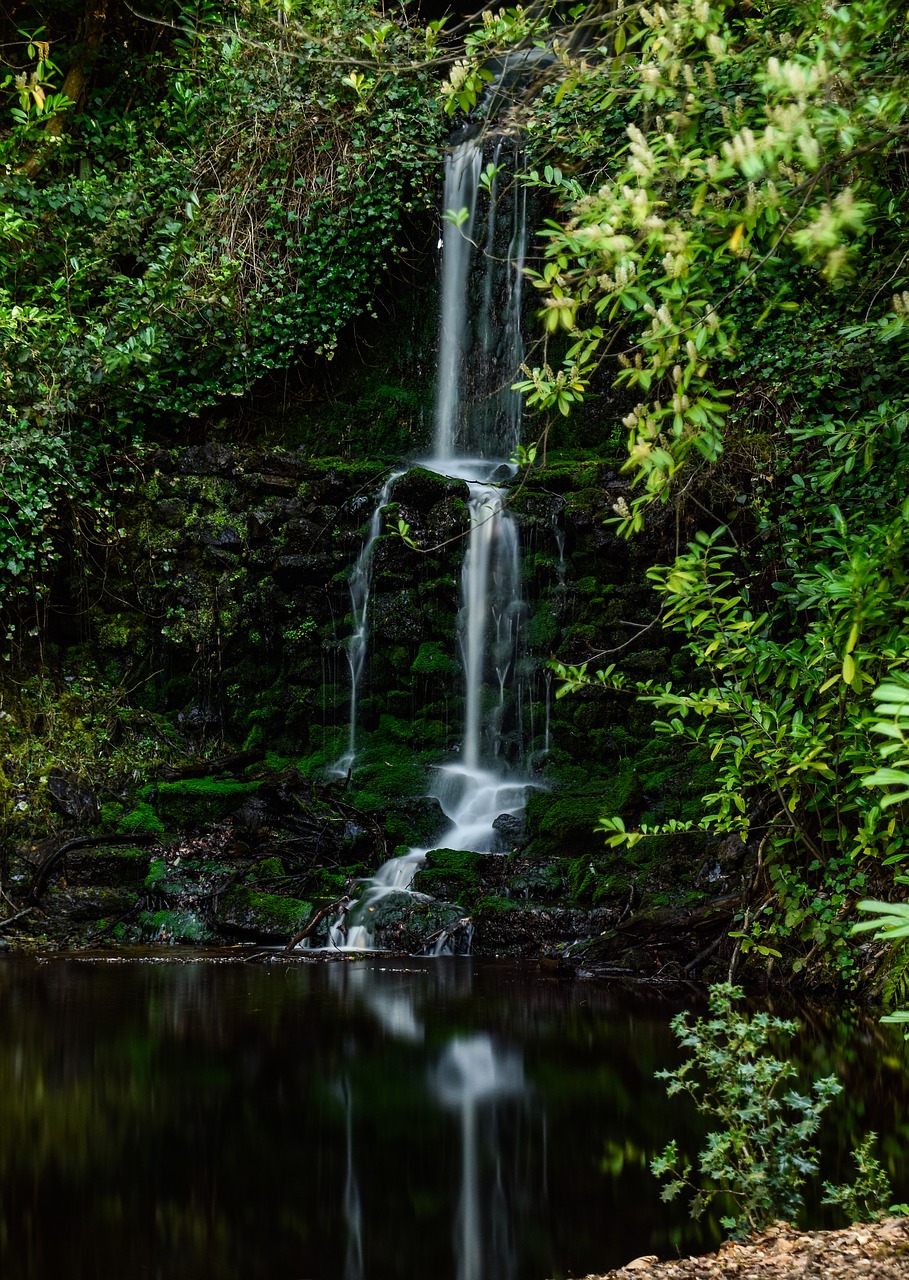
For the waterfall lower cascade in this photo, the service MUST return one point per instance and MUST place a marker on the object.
(477, 430)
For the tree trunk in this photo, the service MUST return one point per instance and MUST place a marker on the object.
(75, 81)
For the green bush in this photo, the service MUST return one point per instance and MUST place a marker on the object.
(762, 1154)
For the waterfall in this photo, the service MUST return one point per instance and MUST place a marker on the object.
(462, 176)
(359, 584)
(477, 430)
(481, 346)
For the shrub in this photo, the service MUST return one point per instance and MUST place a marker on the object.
(762, 1154)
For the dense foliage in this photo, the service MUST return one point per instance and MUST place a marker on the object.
(220, 194)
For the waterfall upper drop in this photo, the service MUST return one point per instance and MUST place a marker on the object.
(478, 415)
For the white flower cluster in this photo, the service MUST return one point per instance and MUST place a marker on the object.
(641, 421)
(624, 274)
(458, 77)
(643, 161)
(800, 79)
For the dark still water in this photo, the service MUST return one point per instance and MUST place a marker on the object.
(368, 1120)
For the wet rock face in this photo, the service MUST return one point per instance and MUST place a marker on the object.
(233, 584)
(512, 828)
(235, 577)
(117, 868)
(90, 904)
(74, 799)
(509, 928)
(409, 924)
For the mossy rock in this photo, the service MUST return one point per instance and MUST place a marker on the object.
(116, 867)
(434, 659)
(491, 905)
(266, 869)
(406, 923)
(450, 874)
(173, 925)
(388, 779)
(331, 884)
(164, 880)
(82, 905)
(140, 820)
(261, 915)
(415, 821)
(558, 824)
(195, 802)
(539, 884)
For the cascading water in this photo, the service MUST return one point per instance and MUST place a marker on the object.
(359, 585)
(353, 930)
(477, 429)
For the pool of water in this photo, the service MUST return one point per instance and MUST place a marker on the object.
(375, 1119)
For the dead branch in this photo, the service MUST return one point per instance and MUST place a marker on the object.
(306, 932)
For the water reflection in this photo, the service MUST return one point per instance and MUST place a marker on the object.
(378, 1120)
(474, 1074)
(353, 1210)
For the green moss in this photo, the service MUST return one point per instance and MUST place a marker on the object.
(267, 869)
(161, 879)
(263, 915)
(434, 660)
(198, 801)
(389, 779)
(331, 884)
(142, 818)
(541, 630)
(491, 905)
(560, 823)
(450, 875)
(173, 926)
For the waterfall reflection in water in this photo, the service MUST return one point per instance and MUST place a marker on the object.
(474, 1076)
